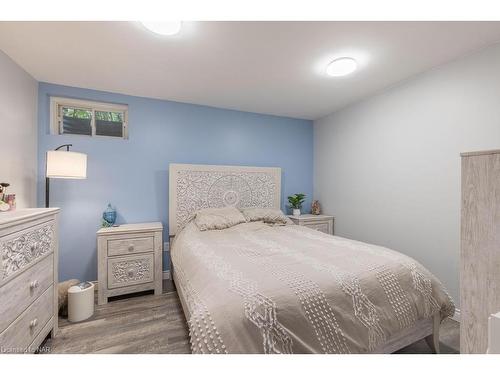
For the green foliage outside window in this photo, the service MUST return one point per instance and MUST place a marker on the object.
(77, 113)
(87, 114)
(109, 116)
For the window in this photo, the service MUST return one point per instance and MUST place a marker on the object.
(80, 117)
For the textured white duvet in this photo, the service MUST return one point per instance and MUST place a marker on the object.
(255, 288)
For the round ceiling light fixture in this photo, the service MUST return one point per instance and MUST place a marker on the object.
(163, 27)
(341, 67)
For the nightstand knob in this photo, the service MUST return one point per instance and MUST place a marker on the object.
(34, 284)
(130, 272)
(130, 247)
(34, 323)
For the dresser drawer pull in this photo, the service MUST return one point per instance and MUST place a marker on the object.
(131, 248)
(33, 323)
(130, 272)
(34, 284)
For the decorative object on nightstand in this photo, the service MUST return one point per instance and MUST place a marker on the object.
(108, 217)
(64, 164)
(315, 208)
(129, 259)
(296, 201)
(322, 223)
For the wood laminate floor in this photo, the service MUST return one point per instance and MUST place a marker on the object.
(155, 324)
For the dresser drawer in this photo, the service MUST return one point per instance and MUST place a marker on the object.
(127, 246)
(21, 333)
(130, 270)
(21, 249)
(24, 289)
(321, 227)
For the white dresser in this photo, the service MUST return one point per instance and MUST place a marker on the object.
(28, 278)
(129, 259)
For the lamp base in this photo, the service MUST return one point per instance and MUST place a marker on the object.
(47, 191)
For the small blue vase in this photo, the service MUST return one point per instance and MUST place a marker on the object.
(109, 215)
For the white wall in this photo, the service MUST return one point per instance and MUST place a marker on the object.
(18, 131)
(388, 167)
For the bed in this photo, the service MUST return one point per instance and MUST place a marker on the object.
(257, 288)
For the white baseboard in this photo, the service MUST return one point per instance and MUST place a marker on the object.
(456, 316)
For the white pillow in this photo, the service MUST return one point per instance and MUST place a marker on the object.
(267, 215)
(218, 218)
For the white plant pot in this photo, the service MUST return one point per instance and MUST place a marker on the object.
(296, 212)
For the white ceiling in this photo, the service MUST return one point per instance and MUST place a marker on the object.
(267, 67)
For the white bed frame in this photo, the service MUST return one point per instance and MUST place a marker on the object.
(193, 187)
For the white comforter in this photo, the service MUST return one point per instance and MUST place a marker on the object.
(255, 288)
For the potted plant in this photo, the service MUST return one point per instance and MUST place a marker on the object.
(296, 201)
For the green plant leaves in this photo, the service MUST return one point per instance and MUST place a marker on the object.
(296, 200)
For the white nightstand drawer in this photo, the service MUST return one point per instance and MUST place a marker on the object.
(321, 227)
(128, 246)
(130, 270)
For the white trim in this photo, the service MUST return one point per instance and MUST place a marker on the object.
(55, 120)
(456, 316)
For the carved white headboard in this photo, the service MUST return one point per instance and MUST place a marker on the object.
(193, 187)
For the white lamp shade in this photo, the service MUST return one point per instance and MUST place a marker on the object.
(66, 164)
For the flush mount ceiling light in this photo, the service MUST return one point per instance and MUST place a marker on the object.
(341, 67)
(163, 27)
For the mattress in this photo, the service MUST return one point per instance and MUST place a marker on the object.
(255, 288)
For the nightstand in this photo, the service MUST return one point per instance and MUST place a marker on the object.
(129, 259)
(322, 223)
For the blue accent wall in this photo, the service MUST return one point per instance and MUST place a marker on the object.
(133, 174)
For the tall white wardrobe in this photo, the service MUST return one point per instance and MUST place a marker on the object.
(480, 248)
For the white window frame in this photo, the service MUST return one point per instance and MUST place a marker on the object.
(56, 114)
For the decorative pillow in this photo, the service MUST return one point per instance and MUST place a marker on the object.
(218, 218)
(267, 215)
